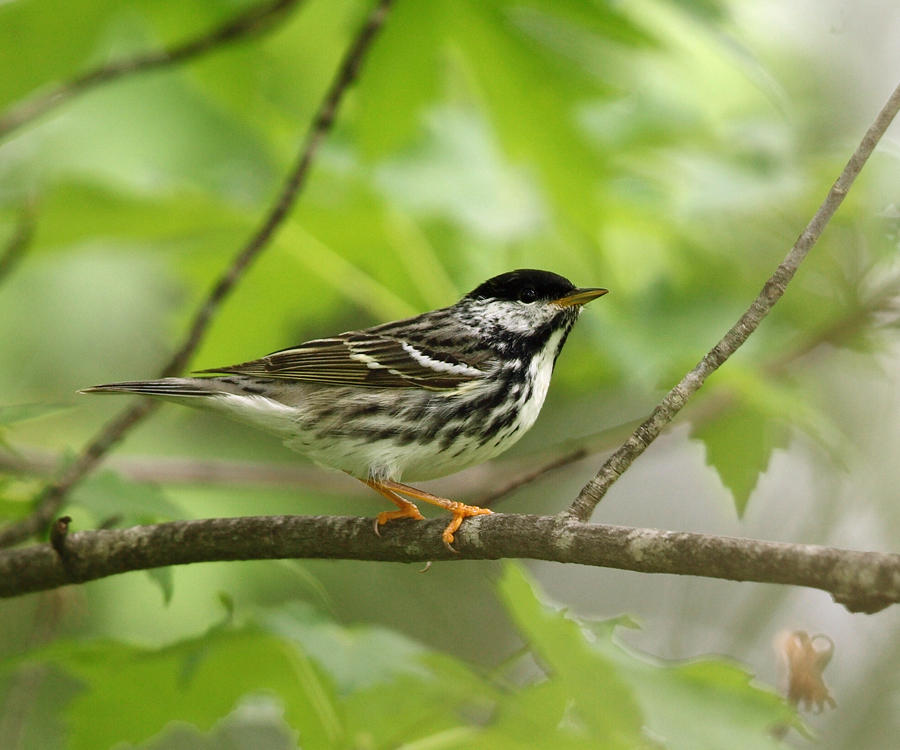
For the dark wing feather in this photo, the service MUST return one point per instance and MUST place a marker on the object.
(363, 359)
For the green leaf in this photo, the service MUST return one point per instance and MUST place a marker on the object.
(390, 114)
(163, 578)
(132, 693)
(409, 710)
(356, 657)
(23, 412)
(78, 210)
(543, 134)
(536, 716)
(394, 691)
(110, 497)
(602, 19)
(13, 510)
(739, 446)
(605, 709)
(704, 704)
(30, 50)
(709, 10)
(757, 420)
(492, 199)
(10, 415)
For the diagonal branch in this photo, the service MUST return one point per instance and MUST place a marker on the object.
(592, 493)
(253, 21)
(862, 581)
(49, 501)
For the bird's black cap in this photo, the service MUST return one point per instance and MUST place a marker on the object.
(525, 285)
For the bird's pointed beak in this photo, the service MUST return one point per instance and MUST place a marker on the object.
(580, 297)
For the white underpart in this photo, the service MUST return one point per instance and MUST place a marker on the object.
(267, 413)
(539, 372)
(415, 461)
(439, 365)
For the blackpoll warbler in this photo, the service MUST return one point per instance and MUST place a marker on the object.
(415, 399)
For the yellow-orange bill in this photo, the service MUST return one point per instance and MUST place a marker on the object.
(580, 297)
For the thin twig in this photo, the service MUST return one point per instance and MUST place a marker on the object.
(252, 21)
(49, 501)
(862, 581)
(592, 493)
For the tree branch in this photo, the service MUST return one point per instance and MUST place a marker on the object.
(49, 501)
(592, 493)
(252, 21)
(862, 581)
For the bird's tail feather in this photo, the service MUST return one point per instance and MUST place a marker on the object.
(166, 387)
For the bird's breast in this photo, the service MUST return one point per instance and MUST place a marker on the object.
(537, 380)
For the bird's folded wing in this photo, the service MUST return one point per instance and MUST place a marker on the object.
(363, 359)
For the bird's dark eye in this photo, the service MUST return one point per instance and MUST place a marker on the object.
(528, 294)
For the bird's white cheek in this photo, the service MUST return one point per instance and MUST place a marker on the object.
(518, 318)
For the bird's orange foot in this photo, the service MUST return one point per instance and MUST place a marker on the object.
(390, 490)
(409, 510)
(460, 512)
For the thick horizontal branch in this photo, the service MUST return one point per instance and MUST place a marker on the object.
(862, 581)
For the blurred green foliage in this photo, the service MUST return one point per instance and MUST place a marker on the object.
(670, 151)
(361, 688)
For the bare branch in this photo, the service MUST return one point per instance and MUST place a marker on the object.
(49, 501)
(592, 493)
(251, 22)
(862, 581)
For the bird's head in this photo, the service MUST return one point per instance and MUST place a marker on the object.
(527, 302)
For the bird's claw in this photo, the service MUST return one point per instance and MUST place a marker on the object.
(460, 512)
(407, 511)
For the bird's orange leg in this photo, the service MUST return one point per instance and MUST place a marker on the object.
(406, 508)
(459, 510)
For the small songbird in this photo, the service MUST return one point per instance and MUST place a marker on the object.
(414, 399)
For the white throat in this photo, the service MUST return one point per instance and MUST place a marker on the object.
(539, 371)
